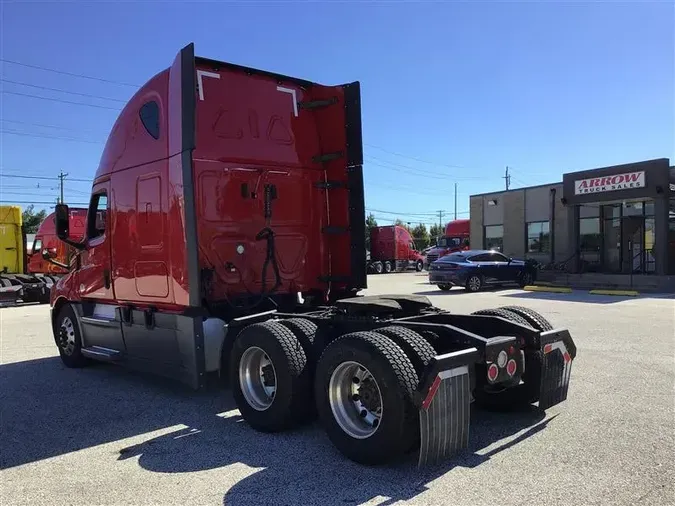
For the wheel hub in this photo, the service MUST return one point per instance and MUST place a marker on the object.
(66, 336)
(257, 378)
(355, 399)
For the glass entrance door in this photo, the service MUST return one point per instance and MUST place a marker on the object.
(632, 244)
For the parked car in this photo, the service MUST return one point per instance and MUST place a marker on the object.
(474, 269)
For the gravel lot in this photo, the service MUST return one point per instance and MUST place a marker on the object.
(103, 435)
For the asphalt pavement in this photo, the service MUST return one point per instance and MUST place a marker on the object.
(107, 436)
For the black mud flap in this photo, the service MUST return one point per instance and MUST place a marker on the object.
(445, 406)
(559, 353)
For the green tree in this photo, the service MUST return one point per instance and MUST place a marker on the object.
(403, 224)
(435, 231)
(421, 236)
(370, 224)
(31, 219)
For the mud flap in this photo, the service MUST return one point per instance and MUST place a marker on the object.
(445, 409)
(559, 352)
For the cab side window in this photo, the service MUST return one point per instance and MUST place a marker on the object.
(149, 114)
(98, 214)
(37, 245)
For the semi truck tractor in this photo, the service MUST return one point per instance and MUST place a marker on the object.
(392, 249)
(226, 236)
(50, 257)
(16, 284)
(455, 238)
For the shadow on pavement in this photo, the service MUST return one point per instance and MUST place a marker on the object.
(583, 297)
(49, 410)
(302, 467)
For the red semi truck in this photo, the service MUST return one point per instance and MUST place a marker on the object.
(50, 257)
(226, 234)
(392, 249)
(456, 238)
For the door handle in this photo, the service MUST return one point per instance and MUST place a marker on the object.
(106, 278)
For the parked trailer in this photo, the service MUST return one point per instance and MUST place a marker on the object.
(232, 243)
(50, 257)
(393, 250)
(16, 284)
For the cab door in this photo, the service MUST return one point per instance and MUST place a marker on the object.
(94, 276)
(100, 315)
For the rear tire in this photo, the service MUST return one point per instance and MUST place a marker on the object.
(418, 351)
(419, 266)
(534, 319)
(270, 399)
(387, 267)
(377, 266)
(445, 288)
(520, 395)
(341, 415)
(68, 339)
(305, 332)
(504, 313)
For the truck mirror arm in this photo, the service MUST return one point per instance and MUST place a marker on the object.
(78, 245)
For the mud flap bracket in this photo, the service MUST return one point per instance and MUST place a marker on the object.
(445, 403)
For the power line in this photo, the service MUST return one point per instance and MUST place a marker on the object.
(42, 125)
(414, 157)
(63, 91)
(60, 100)
(426, 173)
(69, 73)
(43, 177)
(415, 172)
(32, 202)
(46, 136)
(399, 212)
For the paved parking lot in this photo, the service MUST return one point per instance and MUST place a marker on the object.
(102, 435)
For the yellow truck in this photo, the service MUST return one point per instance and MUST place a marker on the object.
(16, 285)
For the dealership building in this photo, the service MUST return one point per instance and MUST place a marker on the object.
(612, 220)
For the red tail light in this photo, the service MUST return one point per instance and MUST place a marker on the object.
(511, 367)
(492, 372)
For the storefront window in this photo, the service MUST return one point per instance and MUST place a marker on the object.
(589, 211)
(612, 245)
(538, 237)
(633, 208)
(671, 237)
(494, 237)
(650, 263)
(649, 208)
(611, 211)
(590, 244)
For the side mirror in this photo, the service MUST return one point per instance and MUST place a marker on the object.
(62, 221)
(48, 253)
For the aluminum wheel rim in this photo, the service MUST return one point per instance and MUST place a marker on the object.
(474, 283)
(257, 378)
(355, 399)
(67, 336)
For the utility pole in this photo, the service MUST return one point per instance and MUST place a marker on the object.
(455, 201)
(440, 219)
(507, 177)
(62, 177)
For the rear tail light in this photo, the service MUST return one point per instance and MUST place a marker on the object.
(492, 372)
(511, 367)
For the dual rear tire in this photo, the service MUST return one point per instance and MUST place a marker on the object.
(361, 386)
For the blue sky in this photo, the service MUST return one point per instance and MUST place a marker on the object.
(452, 91)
